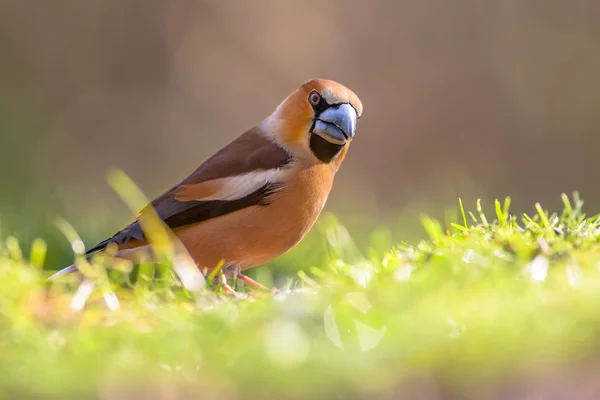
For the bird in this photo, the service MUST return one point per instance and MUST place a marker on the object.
(258, 196)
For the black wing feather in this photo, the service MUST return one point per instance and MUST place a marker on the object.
(177, 214)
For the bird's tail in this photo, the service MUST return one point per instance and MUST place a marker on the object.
(71, 268)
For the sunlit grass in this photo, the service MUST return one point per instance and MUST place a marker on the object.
(484, 297)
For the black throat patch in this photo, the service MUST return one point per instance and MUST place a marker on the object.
(322, 149)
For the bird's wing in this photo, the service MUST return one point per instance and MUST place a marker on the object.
(242, 174)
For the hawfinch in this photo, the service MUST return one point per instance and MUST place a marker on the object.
(258, 196)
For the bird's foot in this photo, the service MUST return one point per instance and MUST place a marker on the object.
(228, 289)
(250, 282)
(234, 272)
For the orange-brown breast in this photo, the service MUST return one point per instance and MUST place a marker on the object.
(257, 234)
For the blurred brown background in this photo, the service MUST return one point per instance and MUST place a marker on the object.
(462, 98)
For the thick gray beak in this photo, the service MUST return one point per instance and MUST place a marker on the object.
(337, 124)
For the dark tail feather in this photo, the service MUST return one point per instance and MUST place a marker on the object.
(133, 231)
(100, 246)
(64, 271)
(122, 238)
(72, 268)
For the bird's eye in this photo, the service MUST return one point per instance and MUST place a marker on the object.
(314, 98)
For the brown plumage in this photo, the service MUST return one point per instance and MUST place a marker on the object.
(259, 195)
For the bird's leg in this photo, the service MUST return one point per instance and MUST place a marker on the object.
(250, 282)
(231, 271)
(234, 272)
(220, 278)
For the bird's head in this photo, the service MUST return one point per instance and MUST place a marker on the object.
(319, 117)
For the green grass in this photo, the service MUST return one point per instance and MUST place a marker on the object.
(483, 299)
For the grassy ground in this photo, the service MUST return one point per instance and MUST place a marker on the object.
(479, 303)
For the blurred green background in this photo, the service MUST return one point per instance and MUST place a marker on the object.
(462, 98)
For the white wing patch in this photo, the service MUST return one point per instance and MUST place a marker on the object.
(239, 186)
